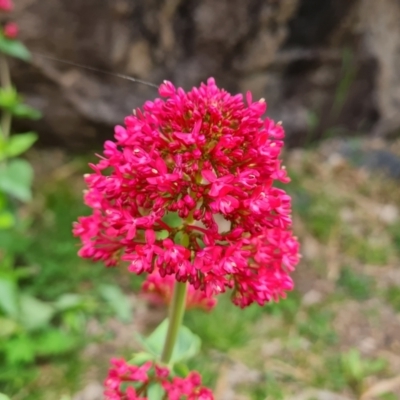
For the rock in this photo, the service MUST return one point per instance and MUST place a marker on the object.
(314, 61)
(378, 160)
(381, 34)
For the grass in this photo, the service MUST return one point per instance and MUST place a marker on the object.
(283, 349)
(392, 296)
(355, 284)
(50, 253)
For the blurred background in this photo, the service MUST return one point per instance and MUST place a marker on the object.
(330, 70)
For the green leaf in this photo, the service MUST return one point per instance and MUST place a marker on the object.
(18, 144)
(161, 235)
(68, 301)
(23, 272)
(19, 349)
(155, 392)
(74, 320)
(7, 261)
(182, 238)
(187, 344)
(9, 97)
(117, 301)
(16, 179)
(9, 297)
(12, 102)
(172, 219)
(376, 366)
(353, 364)
(141, 358)
(8, 327)
(181, 369)
(35, 313)
(4, 397)
(14, 48)
(25, 111)
(3, 198)
(7, 220)
(54, 342)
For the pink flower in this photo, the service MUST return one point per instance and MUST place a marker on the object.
(209, 161)
(122, 372)
(159, 289)
(11, 30)
(130, 382)
(188, 387)
(6, 5)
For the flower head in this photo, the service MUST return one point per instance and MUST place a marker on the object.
(129, 382)
(187, 190)
(159, 289)
(11, 30)
(6, 5)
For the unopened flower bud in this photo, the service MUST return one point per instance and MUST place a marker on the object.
(11, 30)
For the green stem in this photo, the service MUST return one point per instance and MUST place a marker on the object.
(5, 81)
(176, 311)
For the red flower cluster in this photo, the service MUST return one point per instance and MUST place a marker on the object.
(6, 5)
(206, 157)
(130, 382)
(159, 289)
(11, 30)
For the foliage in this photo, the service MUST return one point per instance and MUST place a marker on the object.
(355, 369)
(14, 48)
(60, 300)
(187, 344)
(308, 350)
(27, 329)
(41, 316)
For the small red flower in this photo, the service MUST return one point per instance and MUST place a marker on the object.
(6, 5)
(11, 30)
(187, 388)
(209, 160)
(129, 382)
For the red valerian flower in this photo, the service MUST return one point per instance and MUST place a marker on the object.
(187, 388)
(187, 190)
(6, 5)
(11, 30)
(158, 289)
(130, 382)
